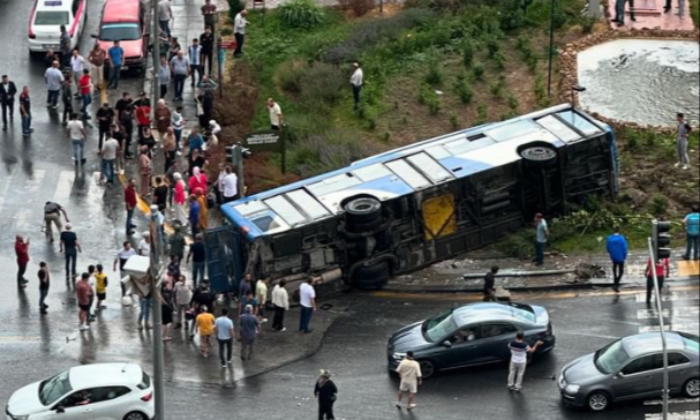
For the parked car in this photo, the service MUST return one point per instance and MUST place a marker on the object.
(126, 21)
(630, 368)
(473, 334)
(108, 391)
(45, 22)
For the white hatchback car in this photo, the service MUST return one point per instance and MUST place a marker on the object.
(46, 19)
(107, 391)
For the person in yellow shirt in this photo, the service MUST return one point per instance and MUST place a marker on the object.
(100, 286)
(204, 325)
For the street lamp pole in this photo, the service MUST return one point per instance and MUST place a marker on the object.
(551, 49)
(657, 292)
(155, 33)
(154, 274)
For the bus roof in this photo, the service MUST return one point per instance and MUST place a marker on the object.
(408, 169)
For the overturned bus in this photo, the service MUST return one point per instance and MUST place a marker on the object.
(407, 208)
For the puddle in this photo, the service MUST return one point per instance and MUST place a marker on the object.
(641, 81)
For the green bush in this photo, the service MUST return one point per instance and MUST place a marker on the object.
(226, 32)
(321, 85)
(434, 75)
(234, 7)
(429, 98)
(513, 103)
(531, 62)
(468, 52)
(300, 14)
(482, 114)
(496, 89)
(492, 47)
(500, 61)
(541, 91)
(463, 90)
(659, 205)
(289, 75)
(478, 71)
(358, 7)
(587, 24)
(453, 121)
(331, 149)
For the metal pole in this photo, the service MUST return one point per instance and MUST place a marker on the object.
(657, 291)
(156, 57)
(154, 269)
(220, 57)
(239, 159)
(551, 49)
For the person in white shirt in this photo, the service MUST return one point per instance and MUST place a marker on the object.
(239, 24)
(411, 377)
(280, 300)
(109, 155)
(145, 245)
(165, 14)
(356, 81)
(275, 114)
(194, 54)
(75, 130)
(307, 301)
(230, 184)
(77, 65)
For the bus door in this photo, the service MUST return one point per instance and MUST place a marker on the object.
(225, 258)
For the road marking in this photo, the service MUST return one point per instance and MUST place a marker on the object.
(671, 297)
(31, 186)
(673, 313)
(673, 401)
(688, 415)
(691, 327)
(64, 187)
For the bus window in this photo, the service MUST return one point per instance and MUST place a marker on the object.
(372, 172)
(408, 174)
(269, 223)
(308, 204)
(438, 152)
(333, 184)
(513, 130)
(285, 210)
(558, 128)
(250, 207)
(580, 122)
(429, 167)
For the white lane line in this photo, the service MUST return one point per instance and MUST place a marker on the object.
(10, 176)
(688, 415)
(673, 401)
(64, 187)
(671, 297)
(691, 327)
(31, 186)
(693, 311)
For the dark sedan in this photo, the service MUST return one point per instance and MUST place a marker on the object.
(473, 334)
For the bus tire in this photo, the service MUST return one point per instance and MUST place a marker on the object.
(371, 277)
(362, 211)
(538, 154)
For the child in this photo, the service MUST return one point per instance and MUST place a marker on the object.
(100, 287)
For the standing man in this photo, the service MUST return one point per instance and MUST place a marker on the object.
(64, 46)
(616, 245)
(249, 328)
(620, 12)
(77, 65)
(541, 234)
(122, 257)
(490, 285)
(145, 168)
(70, 247)
(25, 111)
(356, 82)
(280, 300)
(275, 114)
(180, 68)
(44, 283)
(109, 155)
(411, 378)
(224, 335)
(116, 57)
(692, 230)
(206, 41)
(307, 301)
(67, 99)
(518, 360)
(209, 14)
(244, 288)
(177, 242)
(683, 131)
(97, 59)
(230, 184)
(204, 325)
(8, 90)
(326, 393)
(261, 296)
(22, 252)
(131, 201)
(194, 55)
(52, 214)
(54, 80)
(195, 214)
(105, 117)
(199, 260)
(83, 290)
(76, 132)
(239, 24)
(164, 76)
(85, 89)
(165, 14)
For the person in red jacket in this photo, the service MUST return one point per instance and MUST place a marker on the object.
(22, 251)
(662, 268)
(131, 202)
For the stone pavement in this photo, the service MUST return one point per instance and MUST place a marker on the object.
(650, 15)
(466, 274)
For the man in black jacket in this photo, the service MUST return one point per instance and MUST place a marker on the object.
(8, 90)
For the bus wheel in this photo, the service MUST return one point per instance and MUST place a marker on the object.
(538, 153)
(371, 277)
(363, 211)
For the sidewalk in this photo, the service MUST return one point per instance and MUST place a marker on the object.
(466, 274)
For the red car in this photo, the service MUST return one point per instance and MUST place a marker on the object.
(126, 21)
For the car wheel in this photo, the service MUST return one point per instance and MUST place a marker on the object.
(598, 400)
(371, 277)
(135, 415)
(538, 154)
(427, 368)
(691, 389)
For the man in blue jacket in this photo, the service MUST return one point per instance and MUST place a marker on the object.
(617, 249)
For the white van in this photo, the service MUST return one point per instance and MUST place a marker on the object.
(46, 20)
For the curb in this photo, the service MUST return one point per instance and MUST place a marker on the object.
(534, 289)
(520, 273)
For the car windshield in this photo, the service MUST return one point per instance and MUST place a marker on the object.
(54, 388)
(45, 18)
(611, 358)
(120, 32)
(439, 327)
(691, 341)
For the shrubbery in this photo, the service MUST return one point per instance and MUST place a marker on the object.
(357, 7)
(318, 84)
(301, 14)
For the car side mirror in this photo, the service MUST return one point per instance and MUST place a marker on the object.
(60, 409)
(447, 343)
